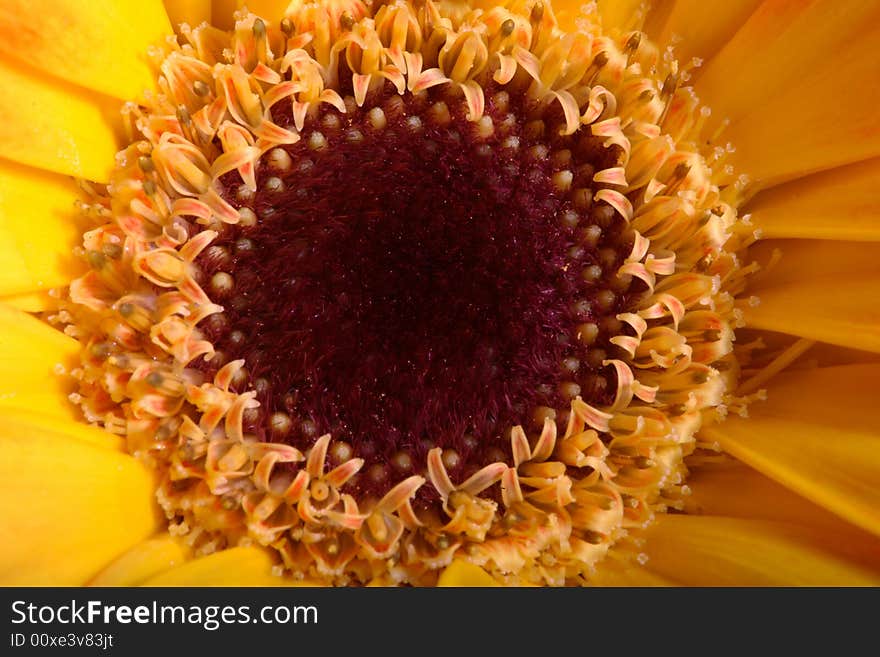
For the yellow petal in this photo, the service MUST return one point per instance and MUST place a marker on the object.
(99, 44)
(143, 561)
(193, 12)
(817, 435)
(736, 490)
(36, 419)
(239, 566)
(33, 356)
(68, 507)
(464, 573)
(781, 82)
(841, 204)
(54, 125)
(30, 302)
(38, 230)
(699, 29)
(715, 551)
(841, 311)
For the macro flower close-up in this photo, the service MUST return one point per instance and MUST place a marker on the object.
(439, 292)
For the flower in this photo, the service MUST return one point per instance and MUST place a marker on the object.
(672, 226)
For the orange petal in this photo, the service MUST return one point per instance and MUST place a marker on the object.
(839, 311)
(841, 204)
(622, 15)
(699, 29)
(736, 490)
(799, 259)
(221, 13)
(781, 82)
(777, 44)
(99, 44)
(715, 551)
(829, 355)
(626, 572)
(817, 435)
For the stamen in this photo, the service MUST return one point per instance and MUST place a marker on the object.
(273, 184)
(402, 462)
(317, 141)
(569, 390)
(96, 259)
(562, 180)
(112, 251)
(145, 162)
(183, 115)
(537, 12)
(280, 424)
(200, 88)
(279, 159)
(244, 193)
(341, 452)
(222, 284)
(377, 119)
(247, 217)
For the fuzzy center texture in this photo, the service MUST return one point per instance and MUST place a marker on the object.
(416, 282)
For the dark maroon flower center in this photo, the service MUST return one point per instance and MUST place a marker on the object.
(417, 280)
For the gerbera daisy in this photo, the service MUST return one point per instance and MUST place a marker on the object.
(456, 292)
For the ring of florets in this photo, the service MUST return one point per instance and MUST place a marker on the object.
(559, 496)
